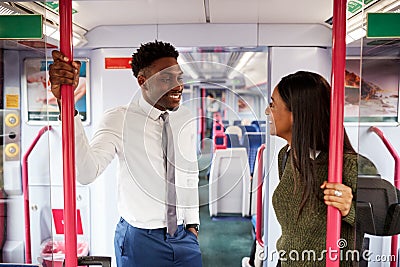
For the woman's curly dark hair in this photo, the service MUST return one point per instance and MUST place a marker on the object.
(147, 53)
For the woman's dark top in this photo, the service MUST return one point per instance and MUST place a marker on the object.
(303, 237)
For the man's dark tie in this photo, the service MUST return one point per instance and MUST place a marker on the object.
(169, 164)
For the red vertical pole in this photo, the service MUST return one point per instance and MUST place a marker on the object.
(335, 168)
(68, 140)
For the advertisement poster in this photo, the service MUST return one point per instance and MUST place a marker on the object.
(372, 97)
(40, 104)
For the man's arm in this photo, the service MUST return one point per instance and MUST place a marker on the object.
(93, 157)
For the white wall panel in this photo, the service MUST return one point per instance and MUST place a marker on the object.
(195, 35)
(295, 35)
(286, 60)
(209, 34)
(120, 36)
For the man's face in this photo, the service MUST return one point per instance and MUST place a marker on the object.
(162, 84)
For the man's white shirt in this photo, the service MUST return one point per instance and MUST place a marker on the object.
(134, 133)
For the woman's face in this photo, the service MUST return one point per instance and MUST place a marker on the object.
(281, 119)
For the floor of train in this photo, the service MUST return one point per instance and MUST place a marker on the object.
(222, 242)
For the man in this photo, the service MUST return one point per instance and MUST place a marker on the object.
(153, 230)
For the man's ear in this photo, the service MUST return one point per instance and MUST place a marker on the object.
(141, 80)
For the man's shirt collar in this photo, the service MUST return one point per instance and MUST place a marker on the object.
(150, 110)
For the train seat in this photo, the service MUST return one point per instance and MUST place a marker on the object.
(237, 122)
(233, 140)
(378, 210)
(234, 130)
(252, 141)
(378, 206)
(258, 124)
(255, 123)
(229, 184)
(248, 128)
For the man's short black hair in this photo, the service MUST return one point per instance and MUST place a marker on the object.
(147, 53)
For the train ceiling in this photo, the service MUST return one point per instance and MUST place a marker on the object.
(92, 13)
(201, 11)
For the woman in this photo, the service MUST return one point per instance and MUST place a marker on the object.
(300, 114)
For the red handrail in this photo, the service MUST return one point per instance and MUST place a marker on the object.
(335, 167)
(68, 140)
(259, 194)
(25, 190)
(396, 183)
(217, 125)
